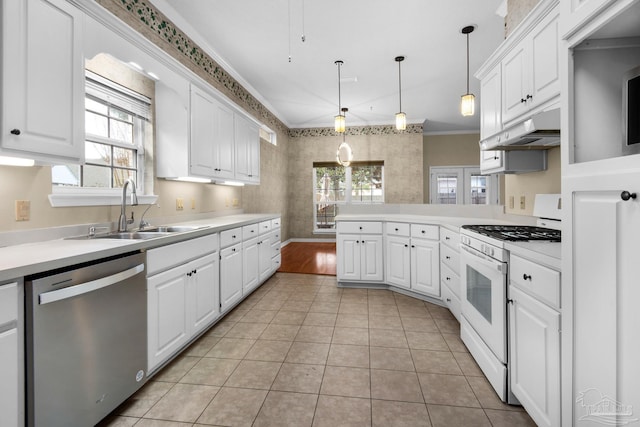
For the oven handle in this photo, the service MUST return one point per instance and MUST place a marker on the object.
(94, 285)
(487, 260)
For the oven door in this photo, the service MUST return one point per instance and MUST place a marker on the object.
(484, 286)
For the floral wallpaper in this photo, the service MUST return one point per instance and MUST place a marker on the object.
(356, 130)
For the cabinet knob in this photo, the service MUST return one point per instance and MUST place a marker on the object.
(424, 231)
(448, 278)
(447, 238)
(522, 100)
(15, 131)
(509, 301)
(406, 246)
(495, 157)
(526, 276)
(233, 237)
(396, 229)
(448, 299)
(448, 257)
(625, 195)
(413, 246)
(529, 96)
(360, 228)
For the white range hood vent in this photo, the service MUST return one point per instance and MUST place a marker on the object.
(539, 132)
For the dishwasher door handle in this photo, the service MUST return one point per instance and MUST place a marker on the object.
(83, 288)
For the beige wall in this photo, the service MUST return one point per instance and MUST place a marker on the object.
(517, 10)
(401, 153)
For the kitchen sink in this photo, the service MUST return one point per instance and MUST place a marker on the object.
(127, 235)
(171, 228)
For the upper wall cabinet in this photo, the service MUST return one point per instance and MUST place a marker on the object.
(576, 13)
(42, 81)
(247, 151)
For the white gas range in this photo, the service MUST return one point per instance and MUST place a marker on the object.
(484, 276)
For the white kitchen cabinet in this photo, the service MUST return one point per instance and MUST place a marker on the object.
(250, 264)
(264, 257)
(450, 270)
(276, 244)
(491, 161)
(204, 292)
(398, 269)
(512, 161)
(11, 356)
(534, 347)
(576, 13)
(247, 151)
(491, 102)
(230, 276)
(359, 257)
(425, 272)
(42, 81)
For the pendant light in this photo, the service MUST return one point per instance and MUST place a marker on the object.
(401, 118)
(340, 121)
(468, 101)
(344, 155)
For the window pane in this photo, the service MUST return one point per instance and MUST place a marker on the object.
(96, 176)
(366, 184)
(478, 190)
(330, 184)
(124, 158)
(120, 115)
(447, 186)
(65, 175)
(96, 124)
(121, 175)
(97, 153)
(121, 131)
(326, 216)
(93, 105)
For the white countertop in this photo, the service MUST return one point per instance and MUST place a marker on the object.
(21, 260)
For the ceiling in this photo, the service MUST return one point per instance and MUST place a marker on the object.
(252, 40)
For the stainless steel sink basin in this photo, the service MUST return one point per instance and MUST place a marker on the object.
(171, 228)
(127, 235)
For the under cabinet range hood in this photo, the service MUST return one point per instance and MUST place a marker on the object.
(539, 132)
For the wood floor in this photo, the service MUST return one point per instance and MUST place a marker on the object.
(309, 258)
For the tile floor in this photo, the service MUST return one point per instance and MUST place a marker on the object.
(301, 352)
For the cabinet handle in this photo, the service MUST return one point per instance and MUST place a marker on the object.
(447, 238)
(510, 301)
(448, 278)
(495, 157)
(448, 299)
(625, 195)
(448, 257)
(195, 271)
(522, 100)
(189, 273)
(15, 131)
(529, 96)
(526, 276)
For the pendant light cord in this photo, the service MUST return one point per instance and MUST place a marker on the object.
(339, 94)
(467, 63)
(304, 38)
(289, 18)
(400, 85)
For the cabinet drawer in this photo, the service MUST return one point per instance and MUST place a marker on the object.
(275, 262)
(275, 223)
(451, 301)
(8, 303)
(250, 231)
(275, 249)
(450, 258)
(225, 253)
(425, 231)
(450, 278)
(230, 237)
(450, 238)
(265, 227)
(398, 229)
(538, 281)
(360, 227)
(166, 257)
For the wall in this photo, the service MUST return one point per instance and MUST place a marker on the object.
(517, 10)
(401, 153)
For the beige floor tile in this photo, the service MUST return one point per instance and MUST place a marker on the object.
(395, 359)
(269, 305)
(161, 423)
(383, 310)
(201, 347)
(302, 297)
(448, 326)
(384, 322)
(455, 343)
(320, 319)
(414, 311)
(329, 294)
(184, 402)
(333, 411)
(305, 352)
(435, 362)
(246, 330)
(399, 414)
(283, 409)
(236, 314)
(258, 316)
(138, 404)
(233, 407)
(426, 341)
(324, 306)
(352, 321)
(118, 421)
(317, 334)
(456, 416)
(294, 305)
(395, 385)
(487, 396)
(289, 318)
(408, 301)
(269, 351)
(221, 328)
(468, 364)
(354, 336)
(210, 371)
(452, 390)
(353, 308)
(509, 418)
(419, 324)
(231, 348)
(350, 382)
(438, 312)
(254, 374)
(280, 332)
(356, 356)
(177, 369)
(387, 338)
(297, 377)
(381, 299)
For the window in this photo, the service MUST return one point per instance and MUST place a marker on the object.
(268, 136)
(116, 121)
(462, 185)
(335, 185)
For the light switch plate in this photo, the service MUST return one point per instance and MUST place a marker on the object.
(179, 204)
(522, 198)
(23, 210)
(511, 202)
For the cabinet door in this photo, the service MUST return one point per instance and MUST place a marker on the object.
(515, 82)
(204, 292)
(371, 267)
(348, 256)
(202, 133)
(230, 276)
(247, 150)
(491, 161)
(167, 314)
(490, 103)
(534, 343)
(9, 378)
(425, 267)
(224, 143)
(545, 74)
(398, 261)
(250, 265)
(42, 80)
(264, 249)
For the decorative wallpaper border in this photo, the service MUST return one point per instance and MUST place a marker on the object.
(356, 130)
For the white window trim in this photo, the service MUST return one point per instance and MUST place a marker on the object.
(69, 197)
(464, 175)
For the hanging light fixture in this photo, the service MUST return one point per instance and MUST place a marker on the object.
(340, 121)
(401, 118)
(344, 155)
(468, 101)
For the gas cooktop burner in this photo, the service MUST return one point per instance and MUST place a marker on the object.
(516, 233)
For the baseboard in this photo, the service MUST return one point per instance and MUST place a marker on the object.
(298, 240)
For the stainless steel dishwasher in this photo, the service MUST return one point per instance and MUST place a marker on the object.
(86, 340)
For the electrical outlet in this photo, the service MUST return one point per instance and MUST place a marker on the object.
(235, 203)
(521, 202)
(193, 203)
(179, 204)
(511, 202)
(23, 210)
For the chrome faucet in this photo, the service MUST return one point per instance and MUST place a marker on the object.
(122, 223)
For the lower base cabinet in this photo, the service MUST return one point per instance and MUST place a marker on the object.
(230, 276)
(9, 378)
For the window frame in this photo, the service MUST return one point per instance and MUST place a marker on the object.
(464, 174)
